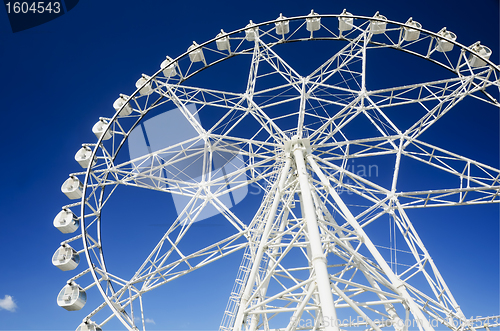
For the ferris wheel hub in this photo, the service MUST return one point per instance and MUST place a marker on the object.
(297, 142)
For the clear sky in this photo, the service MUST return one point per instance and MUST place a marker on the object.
(60, 77)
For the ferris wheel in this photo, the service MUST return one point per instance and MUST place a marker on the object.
(294, 109)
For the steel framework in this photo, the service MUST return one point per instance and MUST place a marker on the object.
(312, 259)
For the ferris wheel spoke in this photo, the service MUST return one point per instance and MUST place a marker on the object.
(419, 93)
(471, 182)
(156, 275)
(267, 123)
(202, 96)
(449, 197)
(280, 66)
(359, 185)
(232, 102)
(357, 148)
(341, 65)
(261, 53)
(442, 305)
(335, 124)
(445, 98)
(122, 301)
(177, 169)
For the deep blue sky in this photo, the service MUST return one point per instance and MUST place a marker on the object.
(58, 78)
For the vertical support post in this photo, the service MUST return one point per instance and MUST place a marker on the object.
(241, 315)
(318, 258)
(423, 323)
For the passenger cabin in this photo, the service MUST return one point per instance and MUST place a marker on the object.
(251, 33)
(83, 157)
(282, 26)
(146, 88)
(72, 297)
(445, 45)
(167, 69)
(73, 188)
(313, 22)
(66, 222)
(66, 258)
(346, 23)
(378, 27)
(195, 53)
(483, 51)
(409, 33)
(88, 326)
(223, 43)
(100, 128)
(122, 101)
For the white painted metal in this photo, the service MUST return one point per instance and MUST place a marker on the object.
(318, 259)
(309, 252)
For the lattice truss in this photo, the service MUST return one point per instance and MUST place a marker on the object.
(310, 256)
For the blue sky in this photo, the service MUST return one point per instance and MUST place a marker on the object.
(59, 77)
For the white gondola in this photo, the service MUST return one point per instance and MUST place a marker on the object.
(122, 100)
(378, 27)
(73, 188)
(282, 27)
(100, 128)
(88, 326)
(66, 222)
(445, 45)
(83, 157)
(195, 53)
(168, 70)
(346, 23)
(223, 43)
(146, 88)
(72, 297)
(66, 258)
(483, 51)
(313, 22)
(251, 33)
(409, 33)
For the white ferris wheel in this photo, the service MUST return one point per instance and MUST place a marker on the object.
(326, 144)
